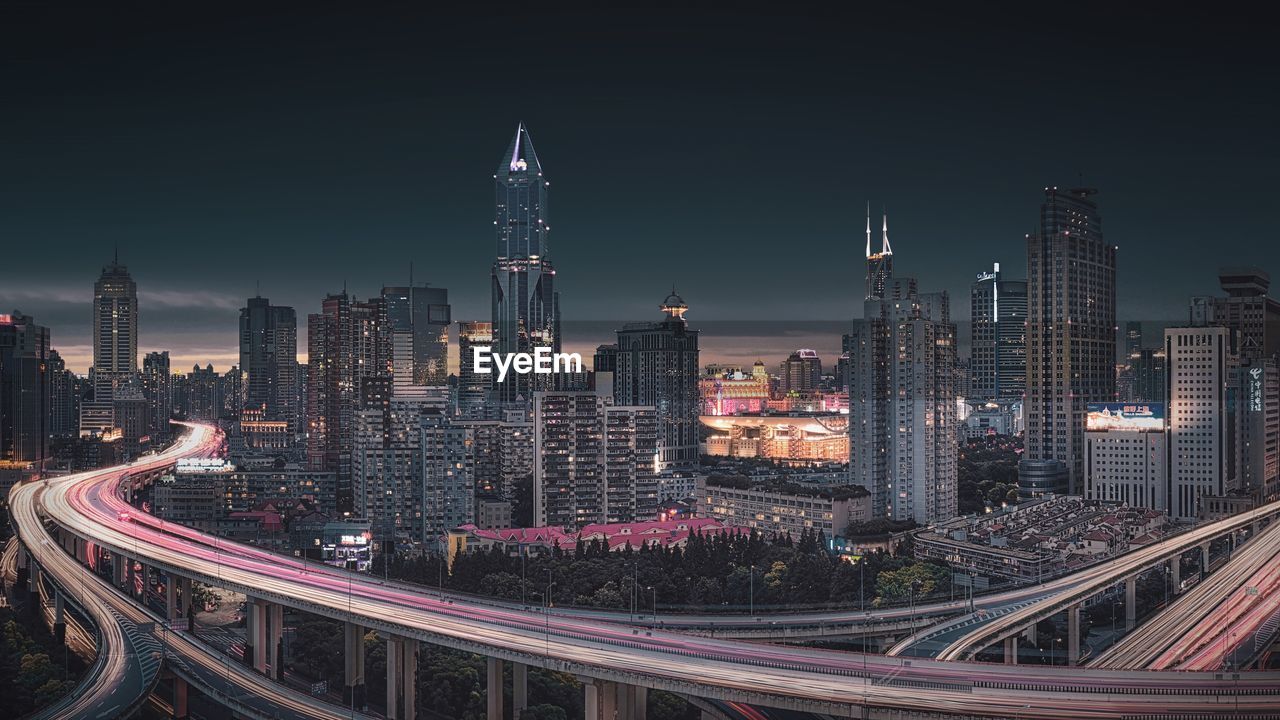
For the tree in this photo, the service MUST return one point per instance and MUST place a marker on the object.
(919, 579)
(543, 711)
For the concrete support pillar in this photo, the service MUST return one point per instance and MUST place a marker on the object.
(402, 674)
(1130, 603)
(1030, 633)
(59, 618)
(353, 690)
(256, 641)
(275, 640)
(170, 598)
(81, 550)
(118, 570)
(1011, 650)
(1175, 570)
(131, 578)
(33, 586)
(180, 711)
(493, 689)
(591, 699)
(1073, 634)
(606, 700)
(1204, 557)
(641, 709)
(519, 688)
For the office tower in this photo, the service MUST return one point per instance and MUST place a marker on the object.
(1071, 338)
(902, 401)
(594, 462)
(1200, 427)
(64, 397)
(418, 318)
(24, 389)
(801, 372)
(1247, 309)
(526, 307)
(1132, 338)
(880, 264)
(449, 453)
(1253, 391)
(1126, 454)
(115, 344)
(998, 351)
(132, 412)
(157, 388)
(269, 359)
(1147, 366)
(473, 387)
(657, 365)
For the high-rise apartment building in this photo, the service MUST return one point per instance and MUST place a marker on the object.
(657, 366)
(387, 471)
(449, 457)
(331, 390)
(1247, 309)
(902, 401)
(526, 307)
(157, 389)
(115, 344)
(1200, 427)
(24, 389)
(1071, 338)
(594, 462)
(269, 360)
(998, 350)
(879, 264)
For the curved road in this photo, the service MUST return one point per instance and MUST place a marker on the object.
(796, 678)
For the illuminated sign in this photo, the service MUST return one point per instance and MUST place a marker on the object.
(984, 276)
(1255, 389)
(203, 465)
(1140, 417)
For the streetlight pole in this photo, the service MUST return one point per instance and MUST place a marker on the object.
(753, 590)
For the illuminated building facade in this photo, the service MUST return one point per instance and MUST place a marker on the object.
(788, 439)
(729, 391)
(157, 388)
(473, 387)
(526, 307)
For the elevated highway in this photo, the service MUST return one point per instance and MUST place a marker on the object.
(611, 657)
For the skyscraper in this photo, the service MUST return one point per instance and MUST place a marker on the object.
(1071, 338)
(269, 359)
(1200, 429)
(526, 307)
(418, 317)
(657, 365)
(880, 264)
(64, 397)
(331, 391)
(902, 400)
(115, 344)
(24, 389)
(998, 351)
(157, 388)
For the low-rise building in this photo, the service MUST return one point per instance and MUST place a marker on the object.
(782, 507)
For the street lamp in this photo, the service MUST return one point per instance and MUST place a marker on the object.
(753, 590)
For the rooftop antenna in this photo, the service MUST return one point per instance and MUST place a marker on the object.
(258, 286)
(868, 228)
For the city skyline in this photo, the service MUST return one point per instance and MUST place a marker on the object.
(289, 166)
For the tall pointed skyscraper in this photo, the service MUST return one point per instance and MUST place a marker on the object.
(526, 307)
(880, 264)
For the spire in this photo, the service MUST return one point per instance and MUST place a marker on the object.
(884, 237)
(520, 156)
(868, 228)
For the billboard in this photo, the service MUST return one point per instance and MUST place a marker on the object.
(1140, 417)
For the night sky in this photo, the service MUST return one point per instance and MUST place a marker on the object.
(728, 152)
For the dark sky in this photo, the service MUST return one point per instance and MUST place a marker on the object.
(728, 151)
